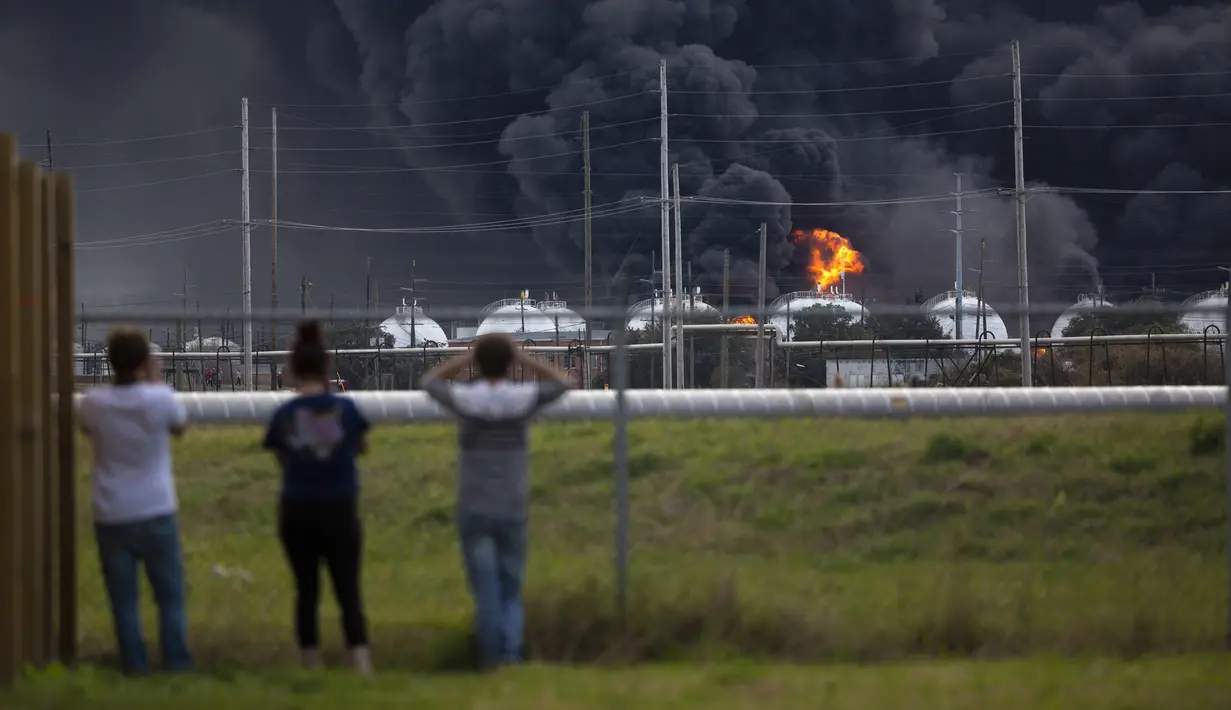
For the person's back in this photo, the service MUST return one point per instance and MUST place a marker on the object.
(317, 437)
(493, 414)
(130, 434)
(129, 425)
(493, 440)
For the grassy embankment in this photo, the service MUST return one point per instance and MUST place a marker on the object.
(753, 543)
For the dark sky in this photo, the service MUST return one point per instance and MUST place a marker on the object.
(420, 114)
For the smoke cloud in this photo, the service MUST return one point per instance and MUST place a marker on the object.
(769, 102)
(781, 134)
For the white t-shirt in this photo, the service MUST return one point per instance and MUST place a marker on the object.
(130, 431)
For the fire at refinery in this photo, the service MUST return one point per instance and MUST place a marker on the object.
(743, 320)
(830, 255)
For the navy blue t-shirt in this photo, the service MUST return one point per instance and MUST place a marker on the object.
(317, 439)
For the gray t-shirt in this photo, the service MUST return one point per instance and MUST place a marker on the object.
(493, 458)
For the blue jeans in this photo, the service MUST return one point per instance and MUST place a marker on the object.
(494, 551)
(156, 543)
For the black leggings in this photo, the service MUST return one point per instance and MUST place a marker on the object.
(329, 531)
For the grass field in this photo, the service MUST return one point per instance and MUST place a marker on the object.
(758, 550)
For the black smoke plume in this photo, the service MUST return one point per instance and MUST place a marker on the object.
(781, 134)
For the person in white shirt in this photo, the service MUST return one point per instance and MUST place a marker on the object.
(130, 425)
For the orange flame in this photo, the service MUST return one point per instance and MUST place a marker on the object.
(743, 320)
(830, 256)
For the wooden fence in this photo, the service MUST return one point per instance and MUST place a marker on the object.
(38, 557)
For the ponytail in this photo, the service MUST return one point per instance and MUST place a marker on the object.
(309, 356)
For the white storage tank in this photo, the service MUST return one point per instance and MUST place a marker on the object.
(513, 316)
(211, 345)
(411, 320)
(978, 318)
(564, 320)
(784, 309)
(1206, 310)
(641, 314)
(1086, 303)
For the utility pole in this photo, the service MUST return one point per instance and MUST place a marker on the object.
(585, 347)
(1019, 170)
(246, 196)
(184, 306)
(760, 366)
(982, 298)
(726, 305)
(273, 231)
(367, 296)
(48, 163)
(303, 295)
(414, 306)
(692, 339)
(678, 277)
(663, 158)
(958, 283)
(182, 326)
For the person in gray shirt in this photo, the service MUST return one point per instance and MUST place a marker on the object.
(493, 412)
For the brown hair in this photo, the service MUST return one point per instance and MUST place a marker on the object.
(128, 350)
(309, 357)
(493, 355)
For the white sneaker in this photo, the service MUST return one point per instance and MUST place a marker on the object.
(361, 657)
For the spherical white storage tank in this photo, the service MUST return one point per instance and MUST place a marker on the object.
(943, 307)
(1206, 310)
(513, 316)
(563, 319)
(407, 319)
(785, 308)
(1086, 303)
(641, 313)
(210, 345)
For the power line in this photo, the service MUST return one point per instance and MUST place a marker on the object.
(1130, 75)
(358, 169)
(498, 139)
(1114, 191)
(570, 82)
(1131, 126)
(612, 209)
(158, 182)
(99, 166)
(851, 139)
(917, 199)
(142, 139)
(847, 114)
(787, 92)
(164, 237)
(1158, 97)
(459, 121)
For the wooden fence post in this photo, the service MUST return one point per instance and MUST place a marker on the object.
(66, 364)
(49, 569)
(38, 557)
(32, 400)
(11, 641)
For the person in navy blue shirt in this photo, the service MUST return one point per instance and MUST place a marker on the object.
(317, 437)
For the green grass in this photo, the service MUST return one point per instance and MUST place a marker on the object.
(1199, 683)
(753, 544)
